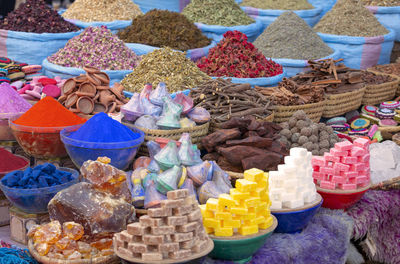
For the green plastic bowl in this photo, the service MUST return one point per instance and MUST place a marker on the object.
(240, 249)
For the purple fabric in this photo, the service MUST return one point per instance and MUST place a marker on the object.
(373, 9)
(182, 4)
(371, 51)
(324, 240)
(377, 215)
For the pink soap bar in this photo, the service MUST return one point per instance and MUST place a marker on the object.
(318, 176)
(326, 170)
(357, 167)
(316, 168)
(343, 146)
(339, 179)
(318, 161)
(349, 160)
(361, 179)
(330, 157)
(362, 143)
(357, 151)
(364, 158)
(349, 174)
(365, 184)
(327, 185)
(341, 167)
(338, 153)
(347, 186)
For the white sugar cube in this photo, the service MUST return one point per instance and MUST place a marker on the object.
(294, 203)
(275, 205)
(298, 152)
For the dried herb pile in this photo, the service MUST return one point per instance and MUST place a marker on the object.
(374, 79)
(335, 79)
(102, 10)
(350, 18)
(288, 92)
(164, 65)
(96, 47)
(217, 12)
(35, 16)
(161, 28)
(381, 2)
(290, 37)
(224, 100)
(234, 56)
(243, 143)
(393, 68)
(278, 4)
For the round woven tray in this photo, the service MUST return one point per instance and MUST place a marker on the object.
(339, 104)
(113, 259)
(314, 111)
(389, 131)
(196, 133)
(376, 94)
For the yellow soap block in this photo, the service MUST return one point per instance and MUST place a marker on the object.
(223, 231)
(249, 216)
(263, 206)
(252, 202)
(253, 175)
(268, 223)
(264, 197)
(237, 195)
(244, 185)
(226, 200)
(223, 215)
(212, 204)
(252, 210)
(260, 219)
(203, 209)
(259, 192)
(209, 230)
(239, 210)
(248, 230)
(232, 223)
(213, 223)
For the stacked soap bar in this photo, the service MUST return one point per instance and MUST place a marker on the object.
(345, 167)
(292, 185)
(243, 211)
(173, 231)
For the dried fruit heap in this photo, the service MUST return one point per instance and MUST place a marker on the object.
(234, 56)
(35, 16)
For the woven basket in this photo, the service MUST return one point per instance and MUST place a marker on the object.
(376, 94)
(113, 259)
(196, 133)
(314, 111)
(377, 71)
(214, 126)
(392, 184)
(389, 132)
(339, 104)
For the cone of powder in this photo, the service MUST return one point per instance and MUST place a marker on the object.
(11, 102)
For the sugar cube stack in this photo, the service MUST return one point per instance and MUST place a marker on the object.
(292, 185)
(345, 167)
(244, 210)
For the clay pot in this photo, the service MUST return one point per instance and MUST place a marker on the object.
(92, 78)
(62, 99)
(80, 79)
(88, 89)
(85, 105)
(96, 97)
(103, 77)
(89, 69)
(71, 100)
(74, 110)
(99, 107)
(69, 86)
(111, 107)
(106, 97)
(102, 87)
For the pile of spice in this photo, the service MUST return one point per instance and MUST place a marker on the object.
(11, 102)
(244, 143)
(374, 79)
(234, 56)
(164, 65)
(380, 2)
(49, 113)
(288, 92)
(290, 37)
(224, 100)
(96, 47)
(393, 68)
(278, 4)
(102, 10)
(217, 12)
(161, 28)
(35, 16)
(10, 162)
(350, 18)
(334, 79)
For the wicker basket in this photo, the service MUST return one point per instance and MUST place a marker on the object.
(339, 104)
(196, 133)
(397, 64)
(388, 132)
(113, 259)
(314, 111)
(392, 184)
(376, 94)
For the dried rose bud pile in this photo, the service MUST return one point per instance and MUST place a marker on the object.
(35, 16)
(234, 56)
(96, 47)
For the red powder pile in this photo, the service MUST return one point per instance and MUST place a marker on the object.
(10, 162)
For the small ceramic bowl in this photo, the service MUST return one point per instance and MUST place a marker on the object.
(341, 199)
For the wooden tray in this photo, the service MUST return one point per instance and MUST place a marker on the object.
(317, 201)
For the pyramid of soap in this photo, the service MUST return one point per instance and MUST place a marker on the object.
(173, 231)
(292, 185)
(345, 167)
(245, 210)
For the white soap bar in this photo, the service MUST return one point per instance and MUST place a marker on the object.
(294, 161)
(309, 156)
(288, 169)
(298, 152)
(288, 197)
(275, 205)
(290, 184)
(276, 193)
(294, 203)
(310, 197)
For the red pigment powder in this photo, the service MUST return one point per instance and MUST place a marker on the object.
(10, 162)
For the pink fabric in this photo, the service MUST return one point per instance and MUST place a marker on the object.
(371, 51)
(183, 3)
(373, 9)
(3, 43)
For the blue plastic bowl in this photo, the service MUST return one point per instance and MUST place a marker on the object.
(294, 221)
(120, 153)
(34, 201)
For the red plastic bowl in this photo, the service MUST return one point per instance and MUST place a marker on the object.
(339, 199)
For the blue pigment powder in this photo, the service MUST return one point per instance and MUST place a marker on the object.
(102, 128)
